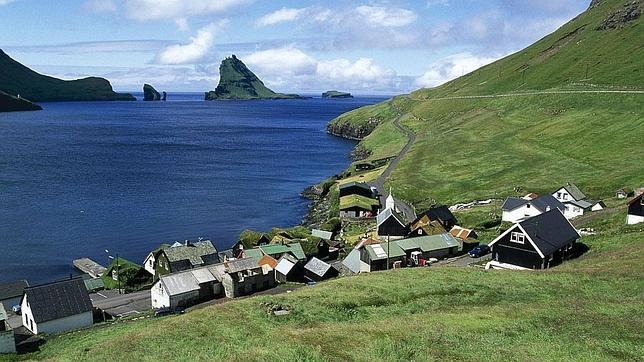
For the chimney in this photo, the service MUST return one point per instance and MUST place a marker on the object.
(547, 208)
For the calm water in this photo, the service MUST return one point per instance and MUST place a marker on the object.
(79, 178)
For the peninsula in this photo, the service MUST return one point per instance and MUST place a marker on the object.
(238, 82)
(18, 79)
(9, 103)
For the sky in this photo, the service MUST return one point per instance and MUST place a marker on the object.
(304, 46)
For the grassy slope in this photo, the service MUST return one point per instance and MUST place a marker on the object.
(587, 309)
(479, 148)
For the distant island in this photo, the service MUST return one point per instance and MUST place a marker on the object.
(16, 79)
(236, 81)
(151, 94)
(9, 103)
(336, 94)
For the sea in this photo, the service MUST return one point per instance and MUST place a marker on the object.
(101, 179)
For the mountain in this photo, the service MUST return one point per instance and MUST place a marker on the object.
(9, 103)
(17, 79)
(336, 94)
(567, 108)
(150, 94)
(236, 81)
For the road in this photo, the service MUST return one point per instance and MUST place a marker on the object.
(122, 305)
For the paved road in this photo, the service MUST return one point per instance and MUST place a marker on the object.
(122, 305)
(379, 183)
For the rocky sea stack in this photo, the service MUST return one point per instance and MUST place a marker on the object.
(16, 79)
(236, 81)
(9, 103)
(150, 94)
(336, 94)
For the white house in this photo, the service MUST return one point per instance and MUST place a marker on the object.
(353, 260)
(518, 209)
(56, 307)
(635, 210)
(569, 192)
(577, 208)
(7, 338)
(185, 289)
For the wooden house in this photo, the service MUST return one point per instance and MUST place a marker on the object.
(7, 337)
(357, 188)
(183, 256)
(358, 207)
(436, 220)
(289, 269)
(316, 270)
(382, 256)
(516, 209)
(11, 293)
(467, 236)
(635, 210)
(353, 260)
(539, 242)
(276, 251)
(391, 225)
(267, 260)
(56, 307)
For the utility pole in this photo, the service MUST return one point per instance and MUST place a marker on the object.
(118, 273)
(388, 245)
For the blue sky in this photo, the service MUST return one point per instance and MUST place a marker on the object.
(368, 47)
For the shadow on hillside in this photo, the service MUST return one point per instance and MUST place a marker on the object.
(578, 250)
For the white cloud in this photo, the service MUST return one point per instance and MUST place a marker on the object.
(195, 50)
(5, 2)
(281, 16)
(281, 61)
(387, 17)
(144, 10)
(100, 6)
(182, 24)
(452, 67)
(362, 71)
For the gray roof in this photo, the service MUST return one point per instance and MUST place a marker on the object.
(549, 231)
(386, 214)
(584, 204)
(187, 281)
(285, 264)
(317, 266)
(574, 191)
(326, 235)
(58, 300)
(13, 289)
(237, 265)
(195, 253)
(541, 203)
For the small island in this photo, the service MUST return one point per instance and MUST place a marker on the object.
(9, 103)
(336, 94)
(150, 94)
(237, 82)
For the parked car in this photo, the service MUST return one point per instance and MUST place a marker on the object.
(479, 251)
(17, 309)
(168, 311)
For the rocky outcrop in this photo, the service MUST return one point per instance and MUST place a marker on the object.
(165, 96)
(15, 78)
(353, 130)
(336, 94)
(236, 81)
(9, 103)
(619, 18)
(150, 94)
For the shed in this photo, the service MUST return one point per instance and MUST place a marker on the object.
(467, 236)
(356, 188)
(289, 269)
(318, 270)
(11, 293)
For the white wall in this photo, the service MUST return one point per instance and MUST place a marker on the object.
(7, 342)
(597, 207)
(634, 219)
(520, 213)
(564, 196)
(572, 211)
(159, 296)
(149, 264)
(70, 323)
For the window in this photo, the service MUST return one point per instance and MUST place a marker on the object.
(527, 206)
(518, 238)
(575, 209)
(565, 196)
(559, 195)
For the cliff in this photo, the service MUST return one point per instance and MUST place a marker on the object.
(15, 78)
(236, 81)
(150, 94)
(9, 103)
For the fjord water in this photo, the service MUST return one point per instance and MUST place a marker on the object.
(79, 178)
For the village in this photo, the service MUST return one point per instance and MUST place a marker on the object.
(533, 232)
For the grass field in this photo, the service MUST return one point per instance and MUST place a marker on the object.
(591, 308)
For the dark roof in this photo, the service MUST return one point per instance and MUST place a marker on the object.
(356, 184)
(58, 300)
(13, 289)
(541, 203)
(199, 253)
(635, 199)
(512, 203)
(441, 213)
(237, 265)
(574, 191)
(317, 266)
(549, 231)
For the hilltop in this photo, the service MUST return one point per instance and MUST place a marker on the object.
(567, 108)
(236, 81)
(16, 79)
(9, 103)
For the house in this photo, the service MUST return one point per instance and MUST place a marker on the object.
(267, 260)
(517, 209)
(569, 192)
(244, 276)
(382, 256)
(150, 259)
(186, 288)
(353, 260)
(358, 206)
(7, 338)
(283, 237)
(264, 240)
(289, 269)
(624, 193)
(436, 220)
(466, 236)
(328, 249)
(356, 188)
(635, 210)
(317, 270)
(183, 256)
(391, 224)
(11, 293)
(431, 246)
(576, 208)
(56, 307)
(276, 251)
(539, 242)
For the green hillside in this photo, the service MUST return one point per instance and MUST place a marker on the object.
(9, 103)
(236, 81)
(568, 108)
(591, 308)
(16, 79)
